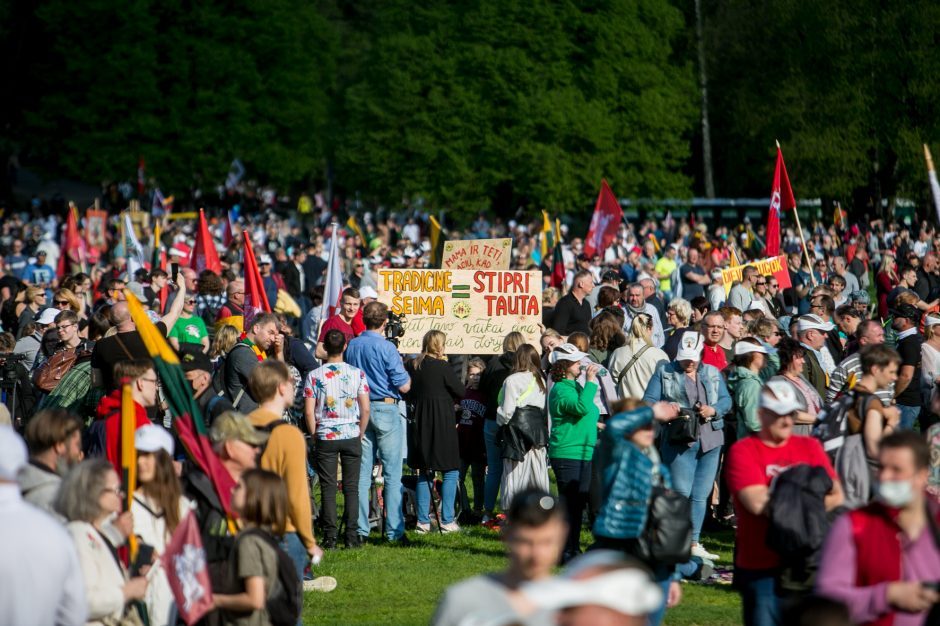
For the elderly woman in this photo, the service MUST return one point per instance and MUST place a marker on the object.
(692, 444)
(791, 355)
(678, 316)
(90, 497)
(769, 334)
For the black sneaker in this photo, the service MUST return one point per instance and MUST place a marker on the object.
(401, 542)
(328, 543)
(352, 544)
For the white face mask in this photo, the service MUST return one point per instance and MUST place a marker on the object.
(895, 493)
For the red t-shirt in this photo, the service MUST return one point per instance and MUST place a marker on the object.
(752, 462)
(714, 356)
(358, 325)
(337, 323)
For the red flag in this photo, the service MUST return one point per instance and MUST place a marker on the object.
(604, 223)
(781, 197)
(256, 301)
(204, 256)
(184, 562)
(141, 176)
(228, 231)
(558, 260)
(72, 244)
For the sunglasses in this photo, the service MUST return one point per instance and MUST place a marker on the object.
(60, 302)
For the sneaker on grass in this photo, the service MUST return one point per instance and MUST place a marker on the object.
(323, 584)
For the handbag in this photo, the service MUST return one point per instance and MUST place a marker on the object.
(50, 373)
(667, 537)
(685, 428)
(130, 617)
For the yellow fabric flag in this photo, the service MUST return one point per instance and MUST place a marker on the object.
(734, 258)
(546, 231)
(129, 457)
(437, 242)
(354, 225)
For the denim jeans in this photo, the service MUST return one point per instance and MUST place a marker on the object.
(574, 481)
(909, 415)
(448, 495)
(656, 617)
(294, 548)
(693, 475)
(349, 453)
(384, 438)
(494, 465)
(477, 470)
(759, 601)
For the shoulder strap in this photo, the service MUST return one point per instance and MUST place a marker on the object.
(528, 390)
(117, 337)
(269, 427)
(636, 356)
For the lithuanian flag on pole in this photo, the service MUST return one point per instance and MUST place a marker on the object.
(437, 243)
(129, 458)
(187, 420)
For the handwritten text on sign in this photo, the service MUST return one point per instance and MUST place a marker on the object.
(775, 266)
(476, 309)
(477, 254)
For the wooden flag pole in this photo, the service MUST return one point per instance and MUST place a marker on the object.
(799, 230)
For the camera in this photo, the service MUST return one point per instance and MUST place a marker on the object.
(395, 327)
(8, 369)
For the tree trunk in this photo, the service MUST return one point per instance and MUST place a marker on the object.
(703, 86)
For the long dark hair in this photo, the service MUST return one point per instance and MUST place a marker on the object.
(789, 349)
(165, 489)
(527, 359)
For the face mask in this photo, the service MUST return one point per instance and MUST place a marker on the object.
(895, 493)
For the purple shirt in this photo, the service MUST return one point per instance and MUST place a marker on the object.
(920, 560)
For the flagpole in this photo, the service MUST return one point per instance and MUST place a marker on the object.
(334, 228)
(799, 230)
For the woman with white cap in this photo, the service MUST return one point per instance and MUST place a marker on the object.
(744, 383)
(158, 507)
(574, 433)
(692, 443)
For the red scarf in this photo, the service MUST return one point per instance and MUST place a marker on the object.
(877, 549)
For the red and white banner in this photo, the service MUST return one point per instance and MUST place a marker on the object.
(604, 223)
(781, 198)
(333, 286)
(184, 562)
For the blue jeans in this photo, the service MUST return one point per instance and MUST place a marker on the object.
(759, 602)
(656, 617)
(693, 475)
(448, 495)
(294, 548)
(384, 438)
(909, 415)
(494, 465)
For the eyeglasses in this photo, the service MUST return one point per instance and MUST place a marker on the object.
(190, 301)
(64, 326)
(118, 491)
(150, 380)
(760, 283)
(60, 302)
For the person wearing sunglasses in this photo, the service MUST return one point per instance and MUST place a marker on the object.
(189, 328)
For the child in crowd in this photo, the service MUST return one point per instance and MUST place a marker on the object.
(470, 416)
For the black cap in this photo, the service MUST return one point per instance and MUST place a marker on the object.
(907, 311)
(584, 257)
(192, 358)
(610, 276)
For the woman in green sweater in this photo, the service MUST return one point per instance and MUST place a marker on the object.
(574, 433)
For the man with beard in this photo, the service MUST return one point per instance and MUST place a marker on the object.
(634, 305)
(55, 446)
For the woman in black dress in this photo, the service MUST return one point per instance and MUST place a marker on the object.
(433, 445)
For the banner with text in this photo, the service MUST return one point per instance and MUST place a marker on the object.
(477, 254)
(476, 309)
(775, 266)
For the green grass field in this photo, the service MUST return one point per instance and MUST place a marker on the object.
(390, 586)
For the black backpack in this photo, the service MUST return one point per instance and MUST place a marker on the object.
(667, 537)
(283, 608)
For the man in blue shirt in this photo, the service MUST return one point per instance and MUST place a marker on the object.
(385, 435)
(40, 274)
(16, 261)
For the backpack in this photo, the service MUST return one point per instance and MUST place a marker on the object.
(222, 374)
(284, 607)
(50, 373)
(95, 440)
(840, 419)
(667, 537)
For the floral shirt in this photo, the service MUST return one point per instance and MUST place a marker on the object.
(335, 389)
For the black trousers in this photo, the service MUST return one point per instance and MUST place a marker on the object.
(574, 484)
(349, 453)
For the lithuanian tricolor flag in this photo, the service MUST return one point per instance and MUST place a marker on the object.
(354, 226)
(129, 458)
(187, 420)
(437, 243)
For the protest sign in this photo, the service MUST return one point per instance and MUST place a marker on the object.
(775, 266)
(477, 254)
(476, 309)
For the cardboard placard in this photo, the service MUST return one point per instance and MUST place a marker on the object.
(476, 309)
(775, 266)
(477, 254)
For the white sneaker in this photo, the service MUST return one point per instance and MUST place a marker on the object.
(323, 584)
(422, 529)
(699, 551)
(453, 527)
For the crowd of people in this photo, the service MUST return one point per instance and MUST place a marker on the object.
(798, 408)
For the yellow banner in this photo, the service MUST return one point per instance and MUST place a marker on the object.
(189, 215)
(477, 254)
(771, 266)
(476, 309)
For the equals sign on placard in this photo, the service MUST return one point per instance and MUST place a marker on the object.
(460, 291)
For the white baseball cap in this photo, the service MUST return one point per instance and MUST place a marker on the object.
(931, 320)
(690, 347)
(264, 259)
(745, 347)
(13, 454)
(150, 438)
(367, 292)
(566, 352)
(47, 316)
(813, 322)
(780, 396)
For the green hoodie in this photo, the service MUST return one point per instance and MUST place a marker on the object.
(574, 420)
(745, 387)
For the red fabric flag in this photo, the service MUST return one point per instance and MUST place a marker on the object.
(256, 301)
(604, 223)
(72, 244)
(204, 256)
(184, 562)
(781, 198)
(228, 231)
(141, 177)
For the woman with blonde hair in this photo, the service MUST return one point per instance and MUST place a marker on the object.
(633, 364)
(885, 281)
(224, 340)
(433, 445)
(34, 299)
(65, 300)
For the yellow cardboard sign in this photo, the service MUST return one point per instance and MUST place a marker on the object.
(477, 254)
(475, 309)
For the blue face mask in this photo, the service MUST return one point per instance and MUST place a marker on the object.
(895, 493)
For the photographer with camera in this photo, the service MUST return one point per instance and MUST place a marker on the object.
(692, 442)
(385, 435)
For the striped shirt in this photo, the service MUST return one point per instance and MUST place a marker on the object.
(838, 381)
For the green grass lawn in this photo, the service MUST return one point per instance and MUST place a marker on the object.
(388, 586)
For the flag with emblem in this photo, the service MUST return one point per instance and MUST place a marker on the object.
(187, 571)
(133, 251)
(73, 252)
(558, 260)
(781, 199)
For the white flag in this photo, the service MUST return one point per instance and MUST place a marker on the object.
(333, 287)
(132, 248)
(932, 175)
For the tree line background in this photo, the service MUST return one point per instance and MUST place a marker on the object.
(488, 104)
